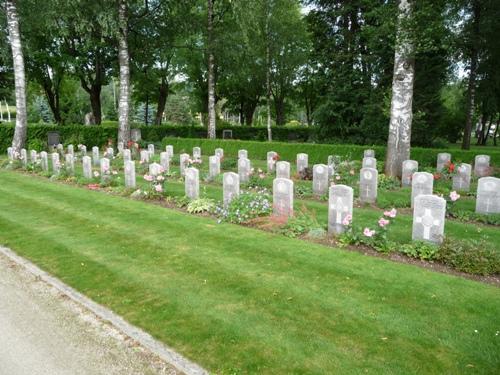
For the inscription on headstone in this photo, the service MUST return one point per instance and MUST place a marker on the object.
(340, 202)
(428, 218)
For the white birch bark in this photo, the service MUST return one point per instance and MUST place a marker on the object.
(398, 143)
(19, 76)
(124, 62)
(211, 79)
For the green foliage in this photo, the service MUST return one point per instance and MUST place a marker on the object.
(247, 206)
(388, 183)
(304, 222)
(464, 215)
(420, 250)
(228, 163)
(200, 205)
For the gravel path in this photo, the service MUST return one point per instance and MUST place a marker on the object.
(42, 332)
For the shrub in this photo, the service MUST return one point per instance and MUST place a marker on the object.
(304, 222)
(420, 250)
(201, 205)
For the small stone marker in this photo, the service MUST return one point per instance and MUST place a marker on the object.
(428, 218)
(482, 165)
(24, 157)
(165, 161)
(196, 153)
(488, 195)
(320, 179)
(105, 166)
(282, 169)
(443, 158)
(60, 148)
(151, 150)
(192, 183)
(183, 163)
(213, 167)
(33, 156)
(422, 183)
(271, 161)
(95, 155)
(83, 150)
(87, 167)
(145, 156)
(70, 164)
(127, 155)
(169, 149)
(110, 153)
(369, 162)
(56, 164)
(368, 183)
(242, 154)
(331, 166)
(220, 153)
(283, 197)
(155, 169)
(230, 187)
(409, 168)
(130, 174)
(340, 202)
(302, 162)
(369, 154)
(244, 168)
(71, 149)
(461, 179)
(44, 161)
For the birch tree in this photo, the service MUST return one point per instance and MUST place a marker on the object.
(398, 143)
(19, 76)
(124, 62)
(211, 71)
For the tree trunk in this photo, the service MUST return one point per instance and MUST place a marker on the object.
(279, 105)
(496, 132)
(268, 72)
(211, 72)
(95, 102)
(162, 101)
(124, 62)
(480, 133)
(19, 139)
(471, 90)
(487, 133)
(52, 88)
(249, 112)
(398, 142)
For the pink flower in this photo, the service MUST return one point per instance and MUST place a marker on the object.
(158, 188)
(347, 220)
(383, 222)
(96, 174)
(160, 178)
(392, 213)
(262, 175)
(147, 177)
(454, 196)
(368, 232)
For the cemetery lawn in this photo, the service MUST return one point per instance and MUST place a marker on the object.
(239, 300)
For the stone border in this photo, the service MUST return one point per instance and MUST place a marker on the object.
(143, 338)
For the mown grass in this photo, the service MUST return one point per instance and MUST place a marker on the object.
(238, 300)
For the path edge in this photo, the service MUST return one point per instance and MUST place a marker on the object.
(142, 337)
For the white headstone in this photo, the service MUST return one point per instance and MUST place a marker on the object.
(271, 161)
(127, 155)
(320, 179)
(230, 187)
(33, 156)
(482, 165)
(422, 183)
(242, 154)
(95, 155)
(220, 153)
(183, 163)
(70, 163)
(130, 174)
(56, 164)
(302, 162)
(369, 162)
(283, 197)
(409, 168)
(368, 183)
(340, 202)
(488, 195)
(428, 218)
(244, 168)
(60, 148)
(24, 157)
(110, 153)
(169, 149)
(145, 156)
(196, 153)
(120, 147)
(443, 158)
(155, 169)
(83, 150)
(213, 166)
(461, 178)
(87, 167)
(331, 166)
(10, 153)
(282, 169)
(369, 154)
(44, 161)
(105, 166)
(165, 161)
(192, 183)
(71, 150)
(151, 150)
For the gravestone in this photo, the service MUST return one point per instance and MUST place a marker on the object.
(33, 156)
(242, 154)
(71, 150)
(409, 168)
(443, 158)
(196, 153)
(10, 153)
(127, 155)
(169, 149)
(44, 161)
(227, 134)
(213, 167)
(368, 183)
(60, 149)
(220, 153)
(230, 187)
(192, 183)
(130, 174)
(488, 195)
(83, 150)
(95, 155)
(53, 139)
(120, 147)
(482, 165)
(428, 218)
(87, 167)
(70, 164)
(422, 183)
(461, 178)
(283, 197)
(331, 166)
(165, 161)
(340, 202)
(105, 169)
(155, 169)
(110, 153)
(320, 179)
(56, 164)
(282, 169)
(183, 163)
(302, 162)
(369, 154)
(145, 156)
(135, 135)
(271, 161)
(369, 162)
(24, 157)
(244, 167)
(151, 150)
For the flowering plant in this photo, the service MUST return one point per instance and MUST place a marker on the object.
(447, 172)
(108, 177)
(156, 185)
(247, 206)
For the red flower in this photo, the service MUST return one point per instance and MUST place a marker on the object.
(437, 176)
(276, 157)
(451, 167)
(93, 186)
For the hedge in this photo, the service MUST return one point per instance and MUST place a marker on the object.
(318, 153)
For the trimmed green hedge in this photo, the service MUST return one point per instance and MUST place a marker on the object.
(318, 153)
